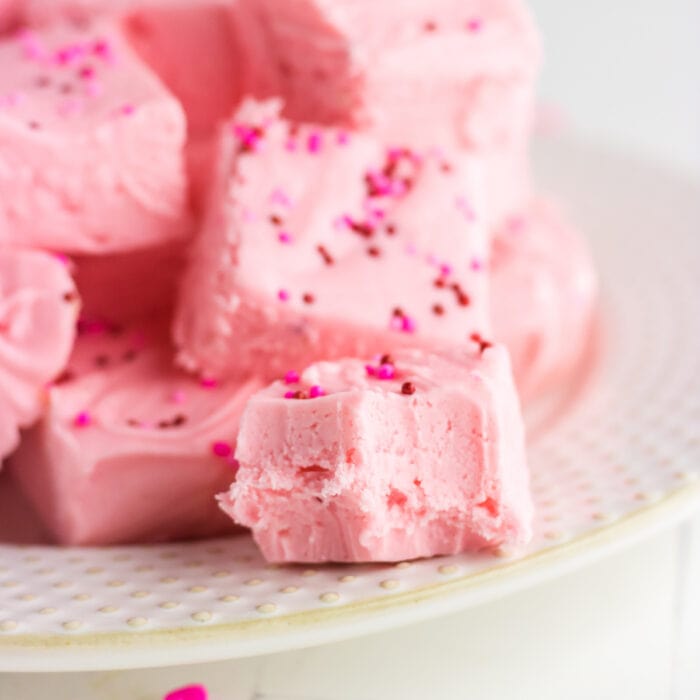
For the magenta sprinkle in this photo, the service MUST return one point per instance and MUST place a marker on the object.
(290, 394)
(445, 269)
(408, 325)
(283, 295)
(221, 449)
(474, 25)
(291, 377)
(477, 265)
(87, 73)
(315, 142)
(208, 383)
(82, 420)
(285, 237)
(371, 371)
(386, 371)
(316, 392)
(190, 692)
(127, 110)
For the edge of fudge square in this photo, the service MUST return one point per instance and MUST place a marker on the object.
(130, 449)
(91, 145)
(408, 456)
(321, 243)
(38, 310)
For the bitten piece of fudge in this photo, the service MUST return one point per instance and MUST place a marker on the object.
(325, 244)
(544, 295)
(91, 145)
(130, 449)
(408, 456)
(38, 309)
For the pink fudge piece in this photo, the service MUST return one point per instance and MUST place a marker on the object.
(430, 461)
(145, 280)
(208, 52)
(130, 449)
(38, 310)
(544, 295)
(91, 145)
(190, 692)
(453, 74)
(318, 247)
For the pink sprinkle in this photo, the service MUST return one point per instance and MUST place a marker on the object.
(209, 383)
(178, 396)
(279, 196)
(127, 110)
(371, 371)
(445, 269)
(191, 692)
(291, 377)
(343, 138)
(408, 325)
(290, 395)
(87, 73)
(386, 372)
(316, 392)
(285, 237)
(221, 449)
(62, 258)
(283, 295)
(474, 24)
(315, 142)
(102, 49)
(82, 420)
(477, 265)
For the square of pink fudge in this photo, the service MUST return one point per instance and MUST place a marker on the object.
(130, 449)
(38, 310)
(410, 456)
(324, 244)
(453, 74)
(91, 145)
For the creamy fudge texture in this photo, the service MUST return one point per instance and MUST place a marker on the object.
(91, 145)
(322, 244)
(406, 456)
(453, 74)
(38, 310)
(130, 449)
(544, 295)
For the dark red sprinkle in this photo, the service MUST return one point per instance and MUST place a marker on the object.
(66, 88)
(300, 395)
(327, 257)
(446, 168)
(63, 378)
(70, 297)
(390, 229)
(178, 420)
(374, 252)
(133, 423)
(398, 312)
(101, 360)
(439, 282)
(430, 26)
(462, 297)
(408, 388)
(363, 229)
(308, 298)
(129, 355)
(276, 220)
(438, 309)
(43, 81)
(386, 360)
(34, 125)
(483, 344)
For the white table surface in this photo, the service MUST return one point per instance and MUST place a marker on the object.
(628, 73)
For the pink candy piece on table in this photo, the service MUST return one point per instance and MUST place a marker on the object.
(190, 692)
(348, 478)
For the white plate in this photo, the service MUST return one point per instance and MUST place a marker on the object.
(611, 461)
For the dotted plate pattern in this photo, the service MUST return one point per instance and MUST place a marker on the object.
(624, 441)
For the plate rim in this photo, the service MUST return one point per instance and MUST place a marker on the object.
(267, 635)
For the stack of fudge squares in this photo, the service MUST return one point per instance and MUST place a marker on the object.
(278, 265)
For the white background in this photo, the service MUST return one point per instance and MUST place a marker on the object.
(627, 72)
